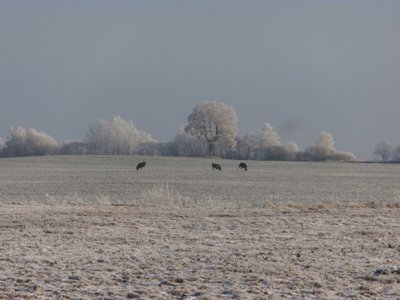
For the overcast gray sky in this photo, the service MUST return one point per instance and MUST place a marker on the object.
(303, 66)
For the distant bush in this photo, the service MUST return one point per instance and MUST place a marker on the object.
(278, 152)
(29, 142)
(74, 148)
(185, 144)
(149, 148)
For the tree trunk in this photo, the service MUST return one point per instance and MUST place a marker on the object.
(210, 149)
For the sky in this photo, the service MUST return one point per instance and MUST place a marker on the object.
(303, 66)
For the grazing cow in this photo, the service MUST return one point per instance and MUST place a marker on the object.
(242, 166)
(140, 165)
(216, 166)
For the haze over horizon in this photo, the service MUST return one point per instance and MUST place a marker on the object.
(303, 66)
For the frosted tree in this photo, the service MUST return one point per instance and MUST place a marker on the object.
(292, 150)
(214, 122)
(26, 142)
(116, 137)
(292, 147)
(396, 154)
(268, 136)
(384, 150)
(323, 147)
(324, 150)
(325, 140)
(265, 145)
(245, 146)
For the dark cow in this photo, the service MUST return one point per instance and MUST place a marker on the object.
(140, 165)
(216, 166)
(242, 166)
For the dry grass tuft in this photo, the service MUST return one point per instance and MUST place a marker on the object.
(163, 195)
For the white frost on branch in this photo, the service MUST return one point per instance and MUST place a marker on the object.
(384, 150)
(268, 136)
(25, 142)
(116, 137)
(324, 150)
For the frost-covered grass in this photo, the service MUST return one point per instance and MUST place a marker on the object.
(177, 230)
(102, 250)
(88, 177)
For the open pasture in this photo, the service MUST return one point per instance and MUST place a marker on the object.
(116, 178)
(91, 227)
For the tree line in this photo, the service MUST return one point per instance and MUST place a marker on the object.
(211, 130)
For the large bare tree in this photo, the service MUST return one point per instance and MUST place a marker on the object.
(215, 122)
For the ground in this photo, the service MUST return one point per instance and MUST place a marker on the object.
(92, 227)
(100, 250)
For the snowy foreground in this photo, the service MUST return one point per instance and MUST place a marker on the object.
(169, 241)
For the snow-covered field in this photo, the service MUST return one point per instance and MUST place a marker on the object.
(95, 228)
